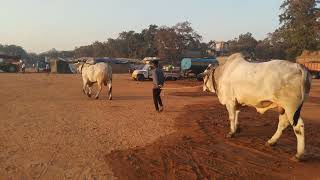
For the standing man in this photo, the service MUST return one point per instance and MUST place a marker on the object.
(47, 68)
(23, 67)
(37, 67)
(158, 82)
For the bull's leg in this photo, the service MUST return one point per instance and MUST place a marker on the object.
(232, 114)
(90, 90)
(236, 120)
(99, 89)
(283, 124)
(84, 87)
(110, 90)
(299, 131)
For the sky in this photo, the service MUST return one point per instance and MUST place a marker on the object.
(40, 25)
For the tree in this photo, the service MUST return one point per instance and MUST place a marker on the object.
(244, 43)
(130, 42)
(149, 37)
(167, 43)
(14, 51)
(188, 38)
(272, 47)
(83, 51)
(299, 26)
(173, 41)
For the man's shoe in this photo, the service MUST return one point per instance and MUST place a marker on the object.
(161, 109)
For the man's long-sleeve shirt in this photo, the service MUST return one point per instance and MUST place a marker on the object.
(157, 77)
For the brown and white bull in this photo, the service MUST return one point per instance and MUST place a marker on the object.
(275, 84)
(100, 73)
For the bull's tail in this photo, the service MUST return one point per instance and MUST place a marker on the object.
(110, 72)
(305, 89)
(297, 115)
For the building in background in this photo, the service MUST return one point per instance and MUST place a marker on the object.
(59, 65)
(9, 63)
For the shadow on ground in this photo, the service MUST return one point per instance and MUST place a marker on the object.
(199, 149)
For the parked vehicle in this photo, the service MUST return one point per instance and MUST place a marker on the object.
(311, 60)
(133, 67)
(9, 63)
(196, 65)
(146, 73)
(41, 66)
(314, 69)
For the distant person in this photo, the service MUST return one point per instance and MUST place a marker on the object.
(23, 67)
(37, 66)
(47, 68)
(158, 82)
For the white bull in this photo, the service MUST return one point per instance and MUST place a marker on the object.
(275, 84)
(100, 73)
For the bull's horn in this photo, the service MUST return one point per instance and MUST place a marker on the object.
(201, 75)
(209, 67)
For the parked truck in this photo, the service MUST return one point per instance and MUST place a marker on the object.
(146, 73)
(9, 63)
(196, 66)
(311, 60)
(314, 69)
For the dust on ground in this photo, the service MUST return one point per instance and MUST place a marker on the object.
(200, 150)
(50, 130)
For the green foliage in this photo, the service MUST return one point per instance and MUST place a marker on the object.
(32, 58)
(244, 43)
(187, 37)
(299, 27)
(172, 41)
(300, 30)
(13, 50)
(166, 42)
(128, 44)
(53, 53)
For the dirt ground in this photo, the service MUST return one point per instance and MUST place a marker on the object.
(50, 130)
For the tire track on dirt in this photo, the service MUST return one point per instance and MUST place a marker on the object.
(199, 150)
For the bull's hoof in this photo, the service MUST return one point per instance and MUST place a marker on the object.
(238, 130)
(270, 144)
(89, 95)
(110, 98)
(296, 158)
(230, 135)
(97, 97)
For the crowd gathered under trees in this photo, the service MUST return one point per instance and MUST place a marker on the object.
(299, 30)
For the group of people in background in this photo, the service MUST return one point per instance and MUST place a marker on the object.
(36, 67)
